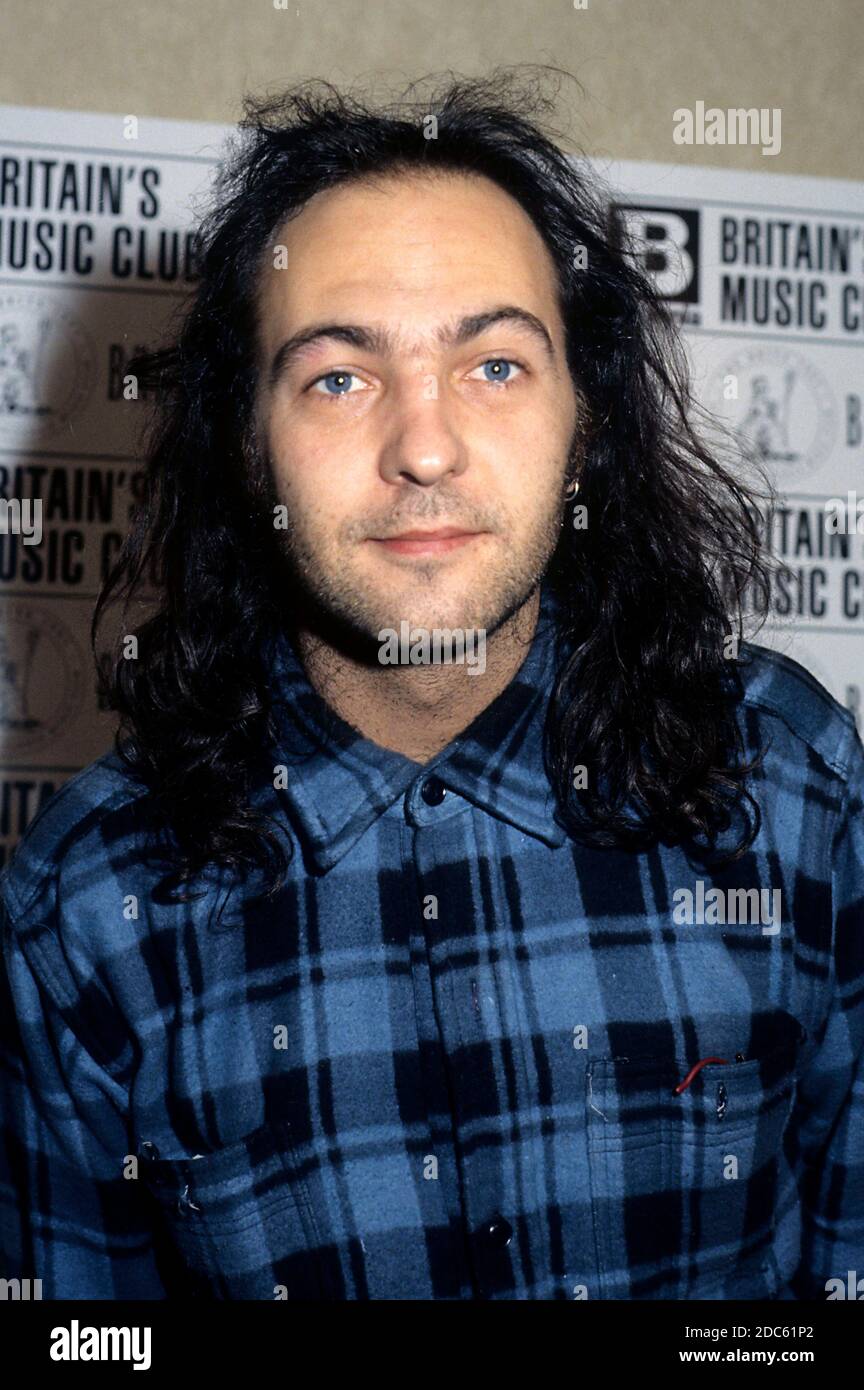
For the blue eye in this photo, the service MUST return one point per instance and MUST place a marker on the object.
(499, 369)
(342, 381)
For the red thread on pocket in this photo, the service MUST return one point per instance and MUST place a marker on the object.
(682, 1085)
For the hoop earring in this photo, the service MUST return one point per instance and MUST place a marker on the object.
(572, 488)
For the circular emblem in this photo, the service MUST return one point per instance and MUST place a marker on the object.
(782, 408)
(42, 675)
(47, 366)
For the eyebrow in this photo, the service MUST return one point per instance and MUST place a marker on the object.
(381, 341)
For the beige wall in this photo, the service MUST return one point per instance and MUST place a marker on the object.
(637, 60)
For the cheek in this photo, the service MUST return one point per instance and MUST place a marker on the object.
(307, 469)
(531, 482)
(321, 492)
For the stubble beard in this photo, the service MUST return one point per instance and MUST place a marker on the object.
(340, 599)
(316, 588)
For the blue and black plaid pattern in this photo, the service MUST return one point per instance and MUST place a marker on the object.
(443, 1063)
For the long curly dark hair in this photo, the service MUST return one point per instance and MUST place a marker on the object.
(649, 592)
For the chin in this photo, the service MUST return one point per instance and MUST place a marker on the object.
(424, 606)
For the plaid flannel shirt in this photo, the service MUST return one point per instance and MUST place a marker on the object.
(443, 1063)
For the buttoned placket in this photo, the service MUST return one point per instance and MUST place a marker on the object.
(468, 1027)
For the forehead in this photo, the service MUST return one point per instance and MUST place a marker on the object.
(429, 244)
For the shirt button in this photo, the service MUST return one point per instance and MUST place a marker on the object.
(185, 1203)
(433, 792)
(497, 1232)
(150, 1155)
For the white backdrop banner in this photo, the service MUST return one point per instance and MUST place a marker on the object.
(765, 273)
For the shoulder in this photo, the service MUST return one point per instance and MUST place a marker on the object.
(797, 712)
(93, 822)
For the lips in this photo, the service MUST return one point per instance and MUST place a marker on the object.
(427, 542)
(441, 533)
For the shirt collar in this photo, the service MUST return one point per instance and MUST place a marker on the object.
(339, 783)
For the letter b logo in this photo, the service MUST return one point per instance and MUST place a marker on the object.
(667, 242)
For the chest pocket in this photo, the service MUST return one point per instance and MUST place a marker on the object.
(238, 1223)
(684, 1186)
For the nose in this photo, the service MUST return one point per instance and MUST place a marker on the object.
(422, 446)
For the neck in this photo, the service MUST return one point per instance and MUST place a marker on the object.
(417, 710)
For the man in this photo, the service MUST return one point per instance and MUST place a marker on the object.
(463, 914)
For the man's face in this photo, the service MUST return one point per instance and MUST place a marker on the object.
(411, 425)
